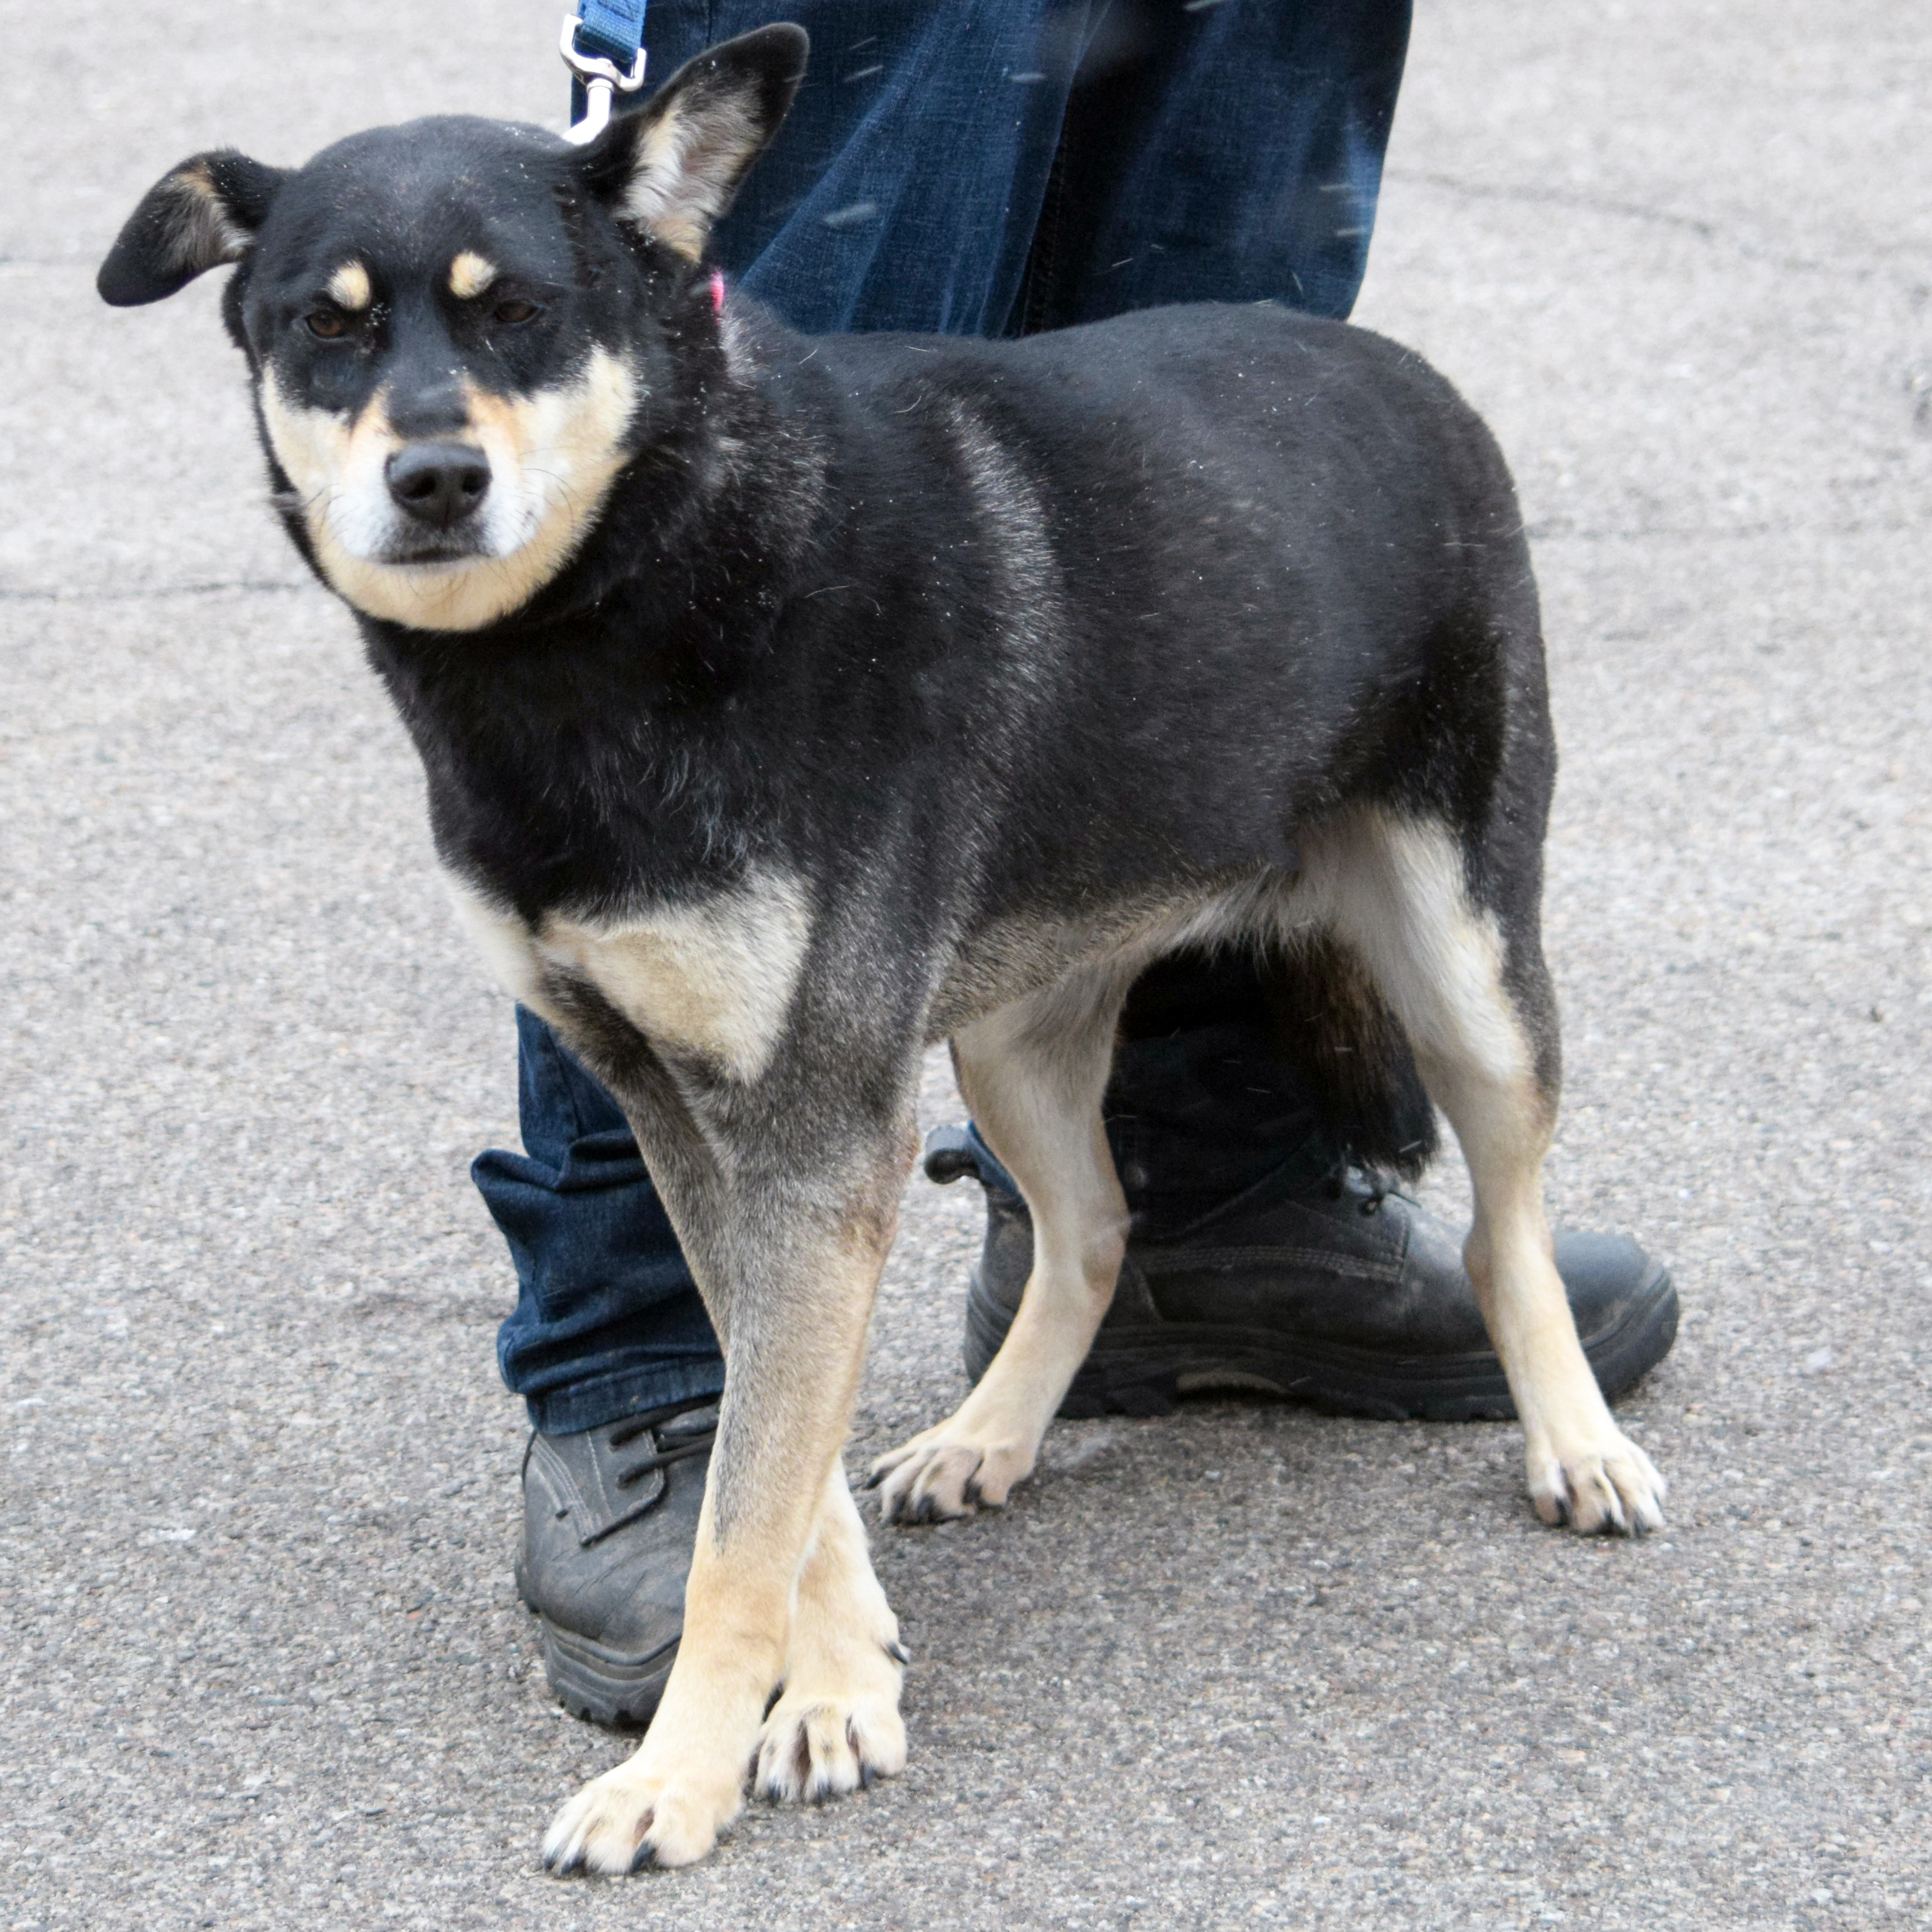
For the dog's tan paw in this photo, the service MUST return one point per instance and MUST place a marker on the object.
(817, 1745)
(636, 1815)
(1609, 1486)
(941, 1474)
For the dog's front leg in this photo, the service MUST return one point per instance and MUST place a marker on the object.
(788, 1267)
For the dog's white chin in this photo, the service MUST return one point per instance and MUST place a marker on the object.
(459, 593)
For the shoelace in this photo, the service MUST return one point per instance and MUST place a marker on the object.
(695, 1441)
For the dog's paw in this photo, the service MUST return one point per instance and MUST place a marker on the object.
(1607, 1486)
(638, 1814)
(945, 1472)
(821, 1741)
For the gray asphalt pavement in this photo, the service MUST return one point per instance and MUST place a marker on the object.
(263, 1663)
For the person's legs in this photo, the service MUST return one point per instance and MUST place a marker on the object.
(903, 191)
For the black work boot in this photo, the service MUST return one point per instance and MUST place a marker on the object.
(1317, 1282)
(610, 1516)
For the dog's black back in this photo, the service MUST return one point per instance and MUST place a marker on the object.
(1005, 603)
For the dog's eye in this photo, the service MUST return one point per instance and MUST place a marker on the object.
(327, 325)
(514, 311)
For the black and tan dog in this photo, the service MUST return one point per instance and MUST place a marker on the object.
(789, 705)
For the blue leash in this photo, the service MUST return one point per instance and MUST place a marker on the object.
(603, 45)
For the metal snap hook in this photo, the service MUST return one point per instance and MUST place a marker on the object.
(602, 79)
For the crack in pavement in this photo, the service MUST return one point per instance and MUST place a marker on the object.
(1553, 531)
(250, 586)
(1587, 203)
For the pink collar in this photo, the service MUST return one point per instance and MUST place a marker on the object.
(717, 291)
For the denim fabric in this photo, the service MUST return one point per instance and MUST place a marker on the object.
(985, 167)
(992, 167)
(608, 1322)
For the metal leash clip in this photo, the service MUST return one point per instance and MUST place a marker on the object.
(600, 79)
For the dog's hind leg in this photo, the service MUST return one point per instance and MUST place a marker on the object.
(1034, 1074)
(836, 1725)
(1467, 981)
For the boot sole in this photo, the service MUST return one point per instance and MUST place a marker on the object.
(599, 1685)
(1148, 1374)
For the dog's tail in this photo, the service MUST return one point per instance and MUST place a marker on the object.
(1333, 1026)
(1312, 1002)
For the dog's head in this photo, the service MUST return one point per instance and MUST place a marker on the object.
(457, 327)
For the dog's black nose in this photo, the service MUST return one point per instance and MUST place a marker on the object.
(439, 483)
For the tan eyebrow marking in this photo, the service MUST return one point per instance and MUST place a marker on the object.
(349, 287)
(470, 275)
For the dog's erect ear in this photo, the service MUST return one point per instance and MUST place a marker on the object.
(674, 166)
(203, 213)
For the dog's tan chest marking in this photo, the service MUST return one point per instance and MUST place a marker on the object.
(469, 274)
(714, 978)
(349, 287)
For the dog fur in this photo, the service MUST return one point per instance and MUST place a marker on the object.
(788, 705)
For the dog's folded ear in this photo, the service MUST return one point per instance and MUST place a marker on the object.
(207, 212)
(673, 166)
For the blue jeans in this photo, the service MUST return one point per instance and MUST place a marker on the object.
(984, 167)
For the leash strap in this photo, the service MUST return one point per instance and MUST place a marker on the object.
(603, 45)
(615, 31)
